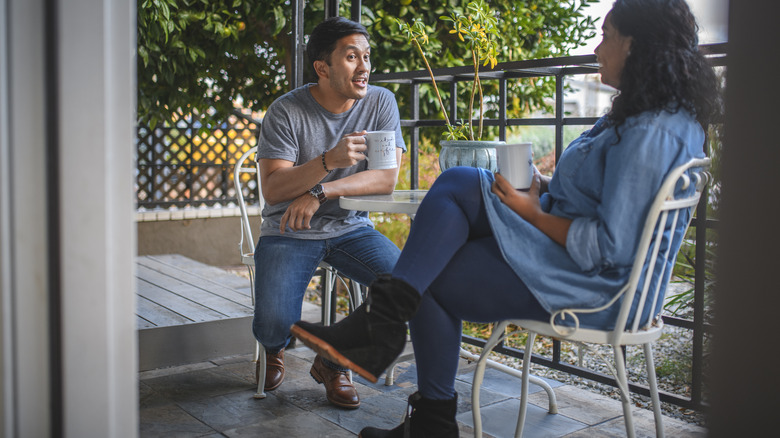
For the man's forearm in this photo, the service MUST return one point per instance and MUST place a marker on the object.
(282, 183)
(370, 182)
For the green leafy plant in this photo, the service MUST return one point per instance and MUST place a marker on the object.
(477, 26)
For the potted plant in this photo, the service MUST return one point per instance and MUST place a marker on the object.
(477, 27)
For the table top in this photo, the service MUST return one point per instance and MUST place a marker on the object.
(400, 201)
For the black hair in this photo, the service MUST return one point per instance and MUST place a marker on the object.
(664, 68)
(325, 35)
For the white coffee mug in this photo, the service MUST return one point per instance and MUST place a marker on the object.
(380, 149)
(515, 162)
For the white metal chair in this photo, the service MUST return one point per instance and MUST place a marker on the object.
(663, 216)
(244, 173)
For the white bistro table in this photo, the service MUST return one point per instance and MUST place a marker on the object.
(406, 202)
(400, 201)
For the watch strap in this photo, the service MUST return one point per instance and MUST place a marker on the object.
(318, 193)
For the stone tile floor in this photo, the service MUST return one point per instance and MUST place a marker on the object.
(214, 399)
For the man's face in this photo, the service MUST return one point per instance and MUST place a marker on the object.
(349, 66)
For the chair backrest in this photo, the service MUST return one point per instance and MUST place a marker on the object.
(242, 169)
(678, 197)
(664, 229)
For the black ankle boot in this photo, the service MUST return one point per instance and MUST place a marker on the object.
(372, 336)
(427, 419)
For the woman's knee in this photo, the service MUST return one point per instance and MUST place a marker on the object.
(458, 174)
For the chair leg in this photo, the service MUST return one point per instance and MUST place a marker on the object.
(653, 383)
(529, 345)
(622, 381)
(328, 283)
(390, 374)
(251, 284)
(552, 405)
(260, 359)
(479, 374)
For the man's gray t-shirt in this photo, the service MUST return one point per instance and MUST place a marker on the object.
(296, 128)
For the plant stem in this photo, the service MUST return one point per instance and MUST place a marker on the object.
(481, 106)
(435, 87)
(473, 91)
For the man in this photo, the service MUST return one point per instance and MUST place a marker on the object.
(311, 151)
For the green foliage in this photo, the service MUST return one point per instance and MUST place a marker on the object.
(478, 28)
(208, 56)
(528, 29)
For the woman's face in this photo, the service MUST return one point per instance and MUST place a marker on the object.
(611, 53)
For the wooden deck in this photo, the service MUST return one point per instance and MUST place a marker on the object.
(189, 312)
(175, 290)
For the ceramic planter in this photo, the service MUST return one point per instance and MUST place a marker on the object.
(468, 153)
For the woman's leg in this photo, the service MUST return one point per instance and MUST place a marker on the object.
(451, 213)
(477, 285)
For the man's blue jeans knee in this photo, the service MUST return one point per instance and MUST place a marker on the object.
(284, 266)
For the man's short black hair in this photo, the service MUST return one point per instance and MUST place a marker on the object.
(323, 38)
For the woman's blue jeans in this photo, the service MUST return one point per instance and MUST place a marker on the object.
(284, 266)
(453, 259)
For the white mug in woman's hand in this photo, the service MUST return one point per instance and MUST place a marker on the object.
(515, 162)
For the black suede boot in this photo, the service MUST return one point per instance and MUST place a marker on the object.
(372, 336)
(427, 419)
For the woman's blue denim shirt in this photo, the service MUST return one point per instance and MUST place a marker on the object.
(605, 183)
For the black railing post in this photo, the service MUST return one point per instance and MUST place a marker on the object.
(698, 300)
(502, 109)
(414, 147)
(558, 116)
(355, 8)
(453, 101)
(296, 45)
(331, 8)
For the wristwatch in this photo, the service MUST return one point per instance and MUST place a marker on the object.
(317, 192)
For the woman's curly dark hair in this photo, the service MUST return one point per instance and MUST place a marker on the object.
(664, 68)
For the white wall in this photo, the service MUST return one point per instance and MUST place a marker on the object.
(67, 234)
(711, 15)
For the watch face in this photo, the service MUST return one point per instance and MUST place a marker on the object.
(317, 192)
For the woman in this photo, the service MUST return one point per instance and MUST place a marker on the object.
(481, 251)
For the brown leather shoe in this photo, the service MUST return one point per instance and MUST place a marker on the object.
(338, 388)
(274, 370)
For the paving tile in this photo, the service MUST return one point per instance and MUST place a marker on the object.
(170, 421)
(486, 397)
(299, 424)
(382, 411)
(504, 383)
(500, 420)
(580, 404)
(238, 409)
(197, 385)
(149, 398)
(404, 377)
(212, 399)
(644, 425)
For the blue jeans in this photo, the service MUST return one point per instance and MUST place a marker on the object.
(453, 258)
(284, 266)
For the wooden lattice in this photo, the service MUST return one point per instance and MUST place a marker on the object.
(181, 164)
